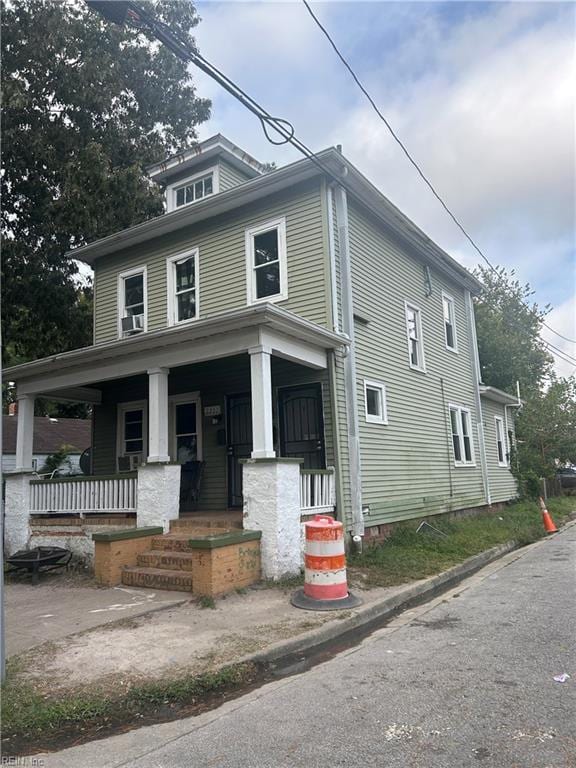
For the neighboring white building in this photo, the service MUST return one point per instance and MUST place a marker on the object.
(50, 435)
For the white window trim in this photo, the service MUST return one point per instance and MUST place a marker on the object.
(171, 189)
(121, 409)
(172, 310)
(370, 418)
(143, 270)
(462, 409)
(505, 452)
(448, 297)
(251, 232)
(173, 401)
(409, 305)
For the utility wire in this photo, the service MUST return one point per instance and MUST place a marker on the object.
(405, 150)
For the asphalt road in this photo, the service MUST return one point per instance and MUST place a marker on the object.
(465, 680)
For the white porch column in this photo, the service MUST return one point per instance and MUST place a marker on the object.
(271, 489)
(17, 511)
(25, 433)
(261, 385)
(158, 415)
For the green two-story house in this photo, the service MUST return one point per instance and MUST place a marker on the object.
(279, 343)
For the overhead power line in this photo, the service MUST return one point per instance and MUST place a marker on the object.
(411, 159)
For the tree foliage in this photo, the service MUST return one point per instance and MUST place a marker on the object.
(87, 105)
(511, 349)
(508, 325)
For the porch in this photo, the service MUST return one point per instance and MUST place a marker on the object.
(227, 416)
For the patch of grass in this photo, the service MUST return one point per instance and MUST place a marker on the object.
(286, 583)
(27, 714)
(205, 601)
(407, 555)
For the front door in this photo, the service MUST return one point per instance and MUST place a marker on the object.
(302, 424)
(186, 449)
(239, 417)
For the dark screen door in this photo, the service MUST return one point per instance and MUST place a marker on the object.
(239, 414)
(302, 424)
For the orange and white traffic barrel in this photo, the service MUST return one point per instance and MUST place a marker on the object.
(325, 582)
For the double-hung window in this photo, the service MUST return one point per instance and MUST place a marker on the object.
(449, 323)
(131, 429)
(182, 279)
(500, 444)
(132, 299)
(414, 333)
(375, 402)
(266, 271)
(461, 428)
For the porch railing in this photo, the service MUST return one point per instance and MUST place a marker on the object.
(317, 491)
(69, 495)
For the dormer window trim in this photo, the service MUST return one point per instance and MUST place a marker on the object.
(172, 189)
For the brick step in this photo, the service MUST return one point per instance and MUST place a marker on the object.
(157, 578)
(174, 542)
(166, 559)
(191, 523)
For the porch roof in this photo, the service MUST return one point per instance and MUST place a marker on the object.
(69, 374)
(499, 396)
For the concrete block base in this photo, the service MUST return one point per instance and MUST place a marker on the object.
(158, 495)
(271, 490)
(17, 512)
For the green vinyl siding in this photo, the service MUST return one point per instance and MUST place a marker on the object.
(502, 483)
(230, 176)
(222, 262)
(215, 381)
(408, 467)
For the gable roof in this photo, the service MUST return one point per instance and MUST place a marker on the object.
(215, 146)
(49, 434)
(337, 165)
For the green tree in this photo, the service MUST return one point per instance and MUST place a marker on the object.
(546, 429)
(508, 325)
(86, 106)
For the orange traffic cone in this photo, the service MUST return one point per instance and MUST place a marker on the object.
(549, 526)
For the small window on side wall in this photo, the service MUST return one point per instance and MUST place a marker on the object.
(183, 287)
(449, 323)
(500, 446)
(375, 402)
(266, 271)
(414, 333)
(461, 428)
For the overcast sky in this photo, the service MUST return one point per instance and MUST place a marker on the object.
(482, 93)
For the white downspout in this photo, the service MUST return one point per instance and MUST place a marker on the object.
(349, 362)
(332, 256)
(477, 379)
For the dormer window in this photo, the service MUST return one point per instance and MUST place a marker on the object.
(192, 190)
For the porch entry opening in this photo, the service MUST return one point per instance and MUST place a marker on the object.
(301, 432)
(185, 451)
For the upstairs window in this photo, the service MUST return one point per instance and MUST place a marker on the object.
(414, 332)
(375, 402)
(449, 323)
(132, 302)
(183, 287)
(500, 446)
(461, 435)
(266, 272)
(192, 189)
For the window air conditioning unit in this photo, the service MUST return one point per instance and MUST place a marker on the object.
(132, 324)
(130, 463)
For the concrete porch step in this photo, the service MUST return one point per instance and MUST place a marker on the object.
(216, 520)
(157, 578)
(166, 560)
(178, 542)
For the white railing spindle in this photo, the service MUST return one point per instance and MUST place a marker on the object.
(67, 496)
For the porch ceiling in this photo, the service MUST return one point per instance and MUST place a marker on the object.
(231, 333)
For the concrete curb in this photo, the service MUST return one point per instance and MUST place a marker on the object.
(369, 615)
